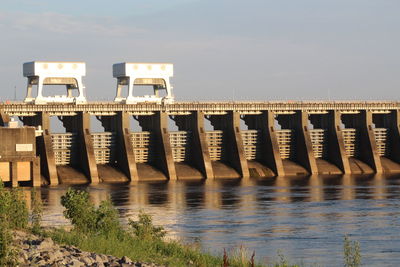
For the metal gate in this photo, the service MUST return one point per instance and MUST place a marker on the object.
(319, 142)
(142, 146)
(251, 144)
(215, 145)
(104, 147)
(180, 145)
(285, 143)
(350, 137)
(65, 148)
(381, 140)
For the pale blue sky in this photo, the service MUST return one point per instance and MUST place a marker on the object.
(221, 49)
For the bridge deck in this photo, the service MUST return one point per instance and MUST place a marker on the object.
(110, 108)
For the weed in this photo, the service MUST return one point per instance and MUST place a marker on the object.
(13, 210)
(88, 219)
(144, 228)
(37, 209)
(351, 251)
(13, 215)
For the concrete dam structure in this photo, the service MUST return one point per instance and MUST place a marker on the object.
(247, 139)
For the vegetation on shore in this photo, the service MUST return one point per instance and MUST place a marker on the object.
(98, 229)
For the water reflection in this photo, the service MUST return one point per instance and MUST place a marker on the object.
(306, 217)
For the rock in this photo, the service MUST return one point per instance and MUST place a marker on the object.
(76, 263)
(87, 260)
(125, 259)
(41, 262)
(104, 258)
(97, 258)
(47, 243)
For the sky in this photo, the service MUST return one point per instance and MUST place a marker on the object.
(221, 49)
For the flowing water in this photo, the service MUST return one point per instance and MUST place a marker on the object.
(304, 218)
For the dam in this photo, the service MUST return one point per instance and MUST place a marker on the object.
(246, 139)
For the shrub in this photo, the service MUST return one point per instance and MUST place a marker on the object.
(107, 219)
(13, 215)
(37, 209)
(88, 219)
(13, 210)
(145, 229)
(79, 210)
(351, 250)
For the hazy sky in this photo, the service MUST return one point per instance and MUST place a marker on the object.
(221, 49)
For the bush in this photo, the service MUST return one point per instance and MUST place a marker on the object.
(13, 210)
(144, 228)
(88, 219)
(13, 215)
(351, 250)
(36, 214)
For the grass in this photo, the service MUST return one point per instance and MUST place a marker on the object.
(98, 229)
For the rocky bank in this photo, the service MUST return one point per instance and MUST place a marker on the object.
(33, 250)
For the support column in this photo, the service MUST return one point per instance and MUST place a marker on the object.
(368, 150)
(394, 135)
(88, 160)
(35, 172)
(4, 118)
(303, 143)
(14, 174)
(201, 157)
(44, 146)
(271, 150)
(336, 148)
(235, 149)
(126, 159)
(163, 139)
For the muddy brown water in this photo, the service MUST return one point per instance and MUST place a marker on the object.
(305, 218)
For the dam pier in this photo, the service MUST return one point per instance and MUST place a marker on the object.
(246, 139)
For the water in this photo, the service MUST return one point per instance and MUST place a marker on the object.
(305, 218)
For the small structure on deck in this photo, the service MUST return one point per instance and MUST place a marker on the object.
(144, 74)
(42, 73)
(18, 160)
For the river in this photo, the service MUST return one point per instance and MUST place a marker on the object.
(305, 218)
